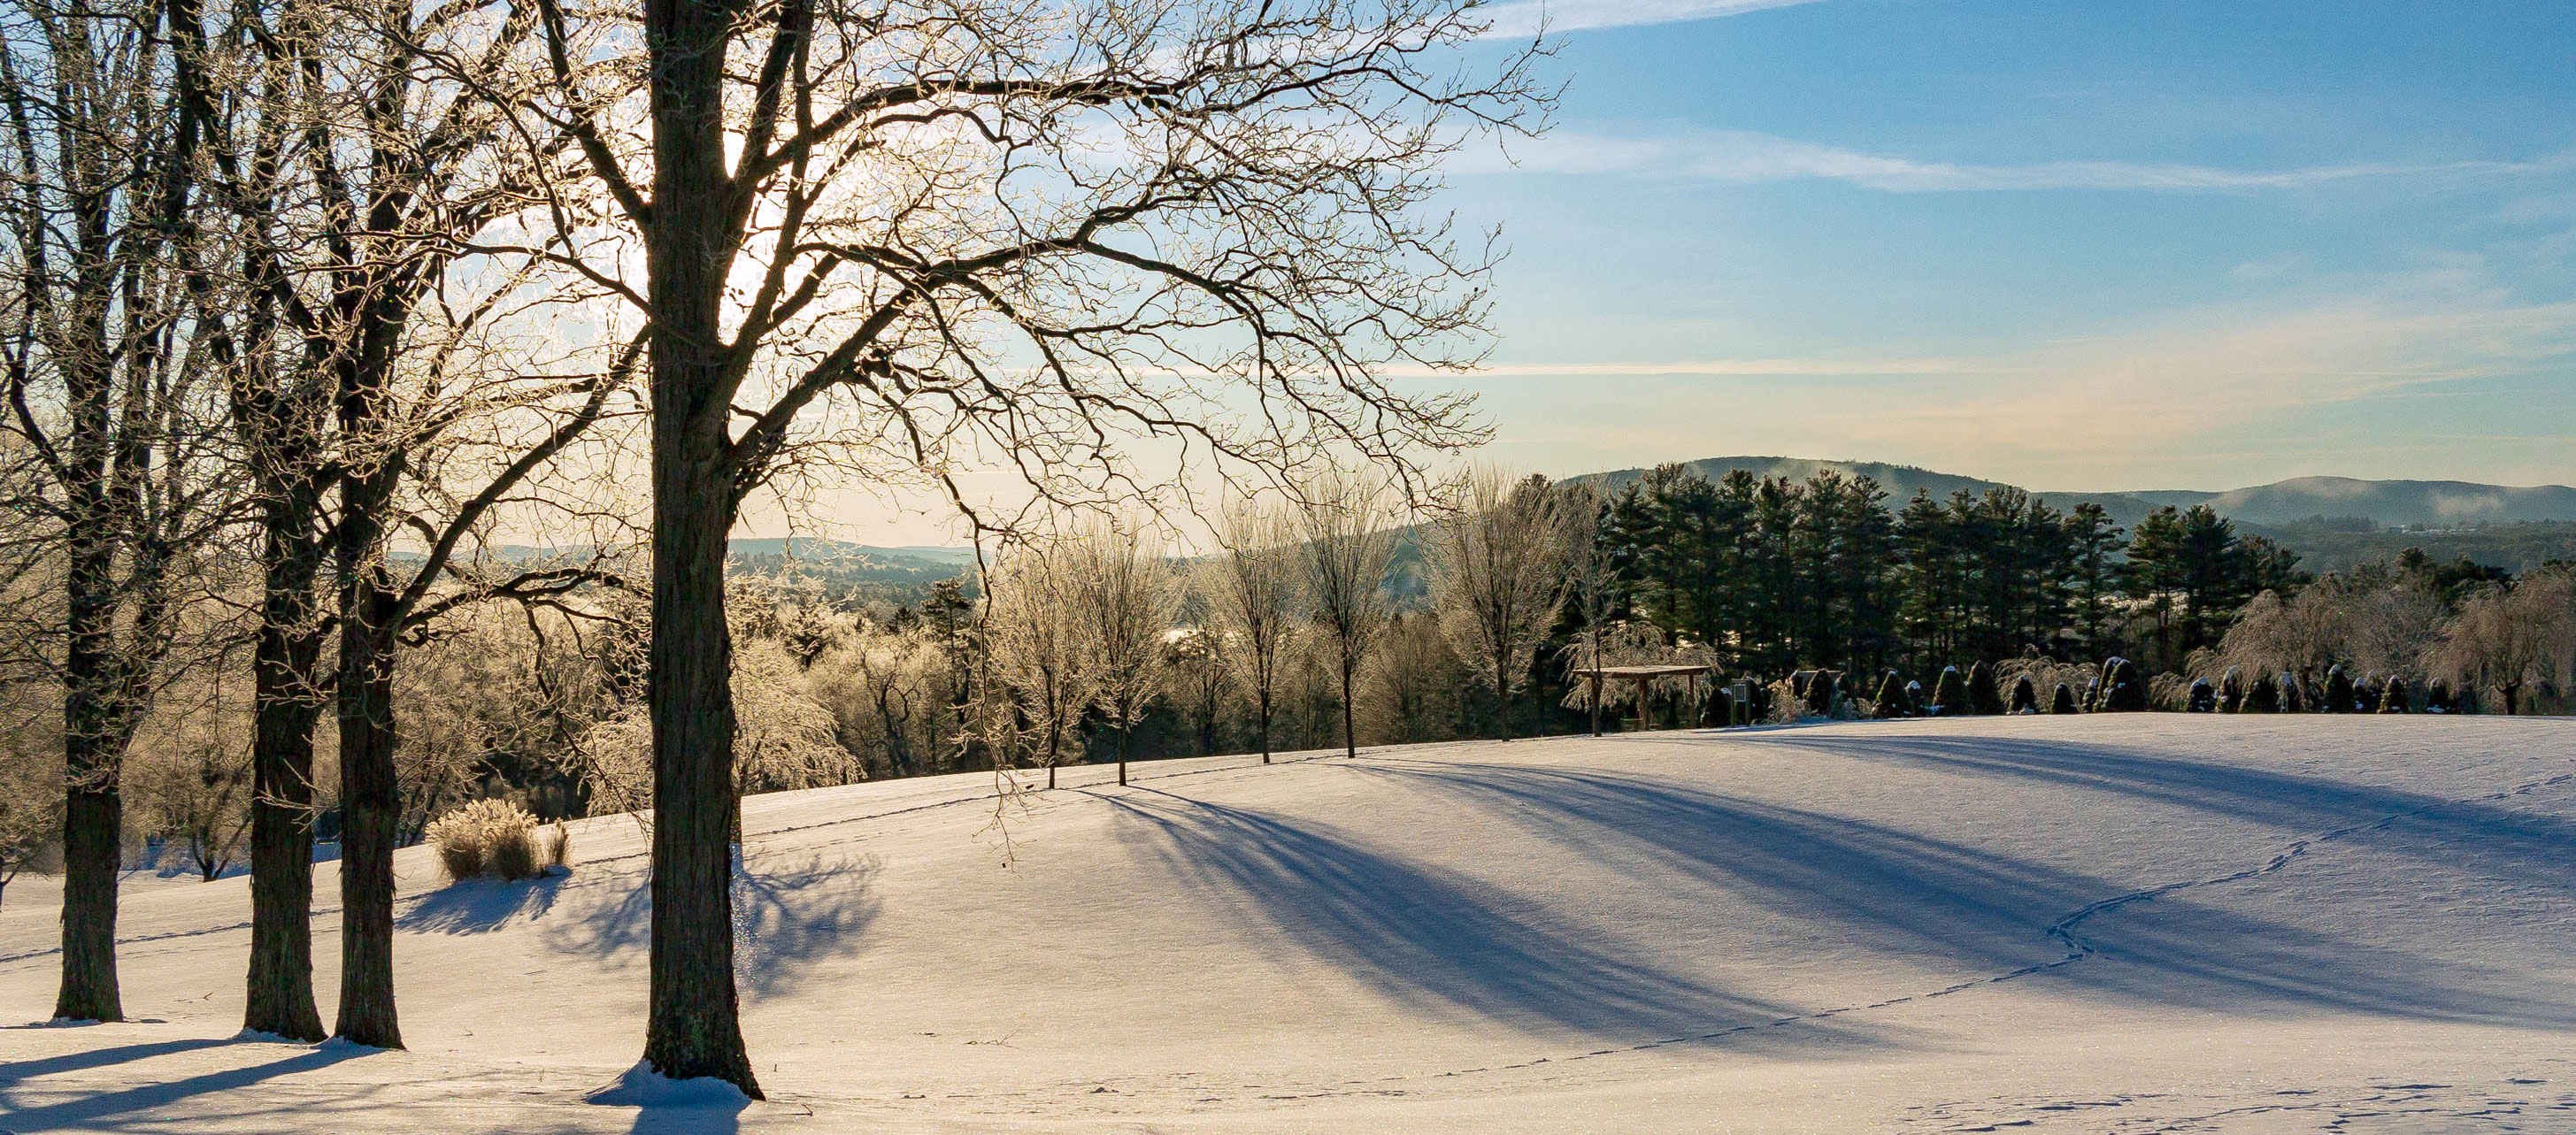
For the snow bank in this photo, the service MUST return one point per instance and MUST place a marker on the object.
(641, 1086)
(2074, 923)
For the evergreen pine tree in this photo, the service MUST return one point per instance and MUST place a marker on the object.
(2231, 692)
(2293, 699)
(2438, 699)
(2339, 694)
(1718, 710)
(1950, 694)
(2122, 689)
(1983, 697)
(1891, 698)
(1822, 691)
(2203, 699)
(2264, 696)
(2063, 701)
(2025, 696)
(2394, 698)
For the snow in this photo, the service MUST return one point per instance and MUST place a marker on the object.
(2129, 922)
(642, 1087)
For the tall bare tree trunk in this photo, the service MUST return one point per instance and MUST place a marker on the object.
(370, 616)
(694, 1027)
(1350, 737)
(93, 812)
(94, 809)
(370, 800)
(286, 707)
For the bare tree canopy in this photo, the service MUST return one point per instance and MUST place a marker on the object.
(998, 233)
(1034, 630)
(1348, 538)
(1254, 600)
(1498, 557)
(1125, 599)
(110, 485)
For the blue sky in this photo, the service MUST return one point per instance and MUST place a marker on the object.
(2070, 245)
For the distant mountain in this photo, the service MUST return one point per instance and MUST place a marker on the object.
(853, 573)
(1900, 481)
(807, 548)
(2388, 504)
(2394, 504)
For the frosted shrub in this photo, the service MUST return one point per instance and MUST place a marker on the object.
(486, 837)
(559, 847)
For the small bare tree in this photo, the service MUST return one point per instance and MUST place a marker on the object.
(31, 790)
(1592, 579)
(1034, 625)
(1253, 599)
(1200, 670)
(2505, 638)
(1348, 543)
(1498, 576)
(1127, 598)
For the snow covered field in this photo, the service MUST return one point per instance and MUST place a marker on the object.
(2105, 923)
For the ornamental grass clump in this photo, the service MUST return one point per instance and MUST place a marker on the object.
(486, 837)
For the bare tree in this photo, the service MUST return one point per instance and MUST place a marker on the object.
(1126, 598)
(1592, 579)
(31, 787)
(881, 686)
(1416, 681)
(1034, 627)
(191, 769)
(1348, 543)
(107, 400)
(994, 232)
(1498, 556)
(354, 150)
(1199, 670)
(1253, 599)
(2506, 638)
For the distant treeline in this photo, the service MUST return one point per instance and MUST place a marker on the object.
(1775, 575)
(2329, 544)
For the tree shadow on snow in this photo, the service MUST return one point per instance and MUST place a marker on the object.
(786, 918)
(190, 1095)
(1911, 894)
(695, 1119)
(1431, 938)
(2475, 835)
(15, 1070)
(475, 906)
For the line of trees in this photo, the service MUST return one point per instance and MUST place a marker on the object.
(1774, 575)
(310, 305)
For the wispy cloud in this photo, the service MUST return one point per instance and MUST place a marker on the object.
(2181, 396)
(1525, 17)
(1830, 367)
(1744, 156)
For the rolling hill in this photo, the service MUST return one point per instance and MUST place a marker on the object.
(2113, 922)
(2389, 504)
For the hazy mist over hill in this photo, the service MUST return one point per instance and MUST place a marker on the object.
(2389, 504)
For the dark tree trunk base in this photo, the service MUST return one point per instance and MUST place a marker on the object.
(92, 827)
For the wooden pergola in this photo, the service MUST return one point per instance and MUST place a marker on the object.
(1637, 677)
